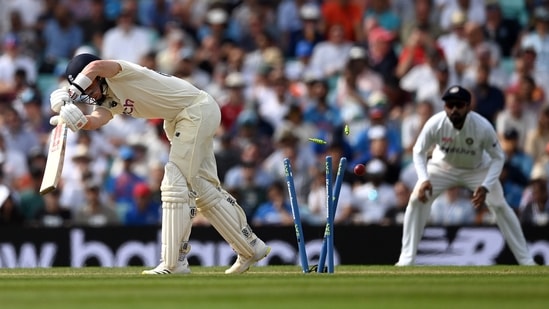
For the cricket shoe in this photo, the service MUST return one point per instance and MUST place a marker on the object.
(181, 268)
(242, 264)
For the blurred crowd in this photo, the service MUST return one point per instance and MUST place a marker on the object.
(283, 71)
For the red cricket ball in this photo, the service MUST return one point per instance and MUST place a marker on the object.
(360, 169)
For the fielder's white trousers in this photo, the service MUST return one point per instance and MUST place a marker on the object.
(443, 176)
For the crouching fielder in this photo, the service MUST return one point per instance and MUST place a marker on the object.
(467, 153)
(190, 182)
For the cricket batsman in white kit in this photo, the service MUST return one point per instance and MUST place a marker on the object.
(467, 154)
(190, 183)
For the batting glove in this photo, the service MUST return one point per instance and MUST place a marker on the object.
(73, 117)
(55, 120)
(58, 98)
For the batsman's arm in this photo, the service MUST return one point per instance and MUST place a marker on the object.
(98, 118)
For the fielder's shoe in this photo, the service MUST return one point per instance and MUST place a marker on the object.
(181, 268)
(243, 264)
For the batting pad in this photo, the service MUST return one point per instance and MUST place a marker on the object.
(177, 214)
(226, 216)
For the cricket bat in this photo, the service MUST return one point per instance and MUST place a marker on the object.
(56, 156)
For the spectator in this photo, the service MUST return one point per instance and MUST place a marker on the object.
(374, 196)
(144, 210)
(537, 138)
(355, 86)
(474, 11)
(16, 134)
(502, 30)
(395, 214)
(411, 125)
(96, 23)
(289, 21)
(381, 55)
(327, 57)
(31, 202)
(513, 191)
(11, 60)
(536, 212)
(319, 110)
(454, 207)
(13, 166)
(61, 37)
(287, 146)
(525, 64)
(310, 32)
(516, 116)
(121, 185)
(235, 102)
(427, 81)
(276, 210)
(127, 40)
(418, 49)
(95, 211)
(227, 155)
(53, 214)
(382, 12)
(275, 103)
(486, 58)
(345, 13)
(489, 98)
(219, 25)
(520, 162)
(249, 180)
(425, 17)
(187, 68)
(536, 37)
(9, 210)
(316, 199)
(176, 45)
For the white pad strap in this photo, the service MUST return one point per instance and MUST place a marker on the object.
(178, 210)
(226, 216)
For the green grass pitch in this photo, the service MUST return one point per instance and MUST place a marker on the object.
(516, 287)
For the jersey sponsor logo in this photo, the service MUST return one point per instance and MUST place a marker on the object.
(458, 150)
(128, 106)
(469, 141)
(447, 139)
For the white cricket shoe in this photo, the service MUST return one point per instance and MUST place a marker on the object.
(181, 268)
(243, 264)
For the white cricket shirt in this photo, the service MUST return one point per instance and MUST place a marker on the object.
(475, 146)
(143, 93)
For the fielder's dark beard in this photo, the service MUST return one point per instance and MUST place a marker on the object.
(457, 120)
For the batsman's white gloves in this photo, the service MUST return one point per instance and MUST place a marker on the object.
(72, 116)
(58, 98)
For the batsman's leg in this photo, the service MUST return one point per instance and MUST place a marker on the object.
(178, 210)
(509, 225)
(228, 218)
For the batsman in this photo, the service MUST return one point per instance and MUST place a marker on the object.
(191, 117)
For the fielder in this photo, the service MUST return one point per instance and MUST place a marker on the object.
(468, 154)
(191, 117)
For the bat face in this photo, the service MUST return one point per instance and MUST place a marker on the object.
(56, 156)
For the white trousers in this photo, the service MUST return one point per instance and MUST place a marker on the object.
(443, 176)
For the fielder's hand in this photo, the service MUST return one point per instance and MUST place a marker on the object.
(479, 196)
(73, 117)
(425, 191)
(58, 98)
